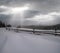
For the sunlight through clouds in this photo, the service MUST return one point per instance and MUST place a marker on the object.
(20, 9)
(19, 15)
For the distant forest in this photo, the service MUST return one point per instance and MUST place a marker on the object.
(53, 27)
(57, 27)
(2, 24)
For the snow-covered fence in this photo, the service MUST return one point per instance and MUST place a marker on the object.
(36, 31)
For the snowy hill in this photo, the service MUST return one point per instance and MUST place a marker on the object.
(23, 42)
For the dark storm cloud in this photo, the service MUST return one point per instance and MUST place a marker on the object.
(30, 13)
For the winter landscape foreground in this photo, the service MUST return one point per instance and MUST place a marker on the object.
(23, 42)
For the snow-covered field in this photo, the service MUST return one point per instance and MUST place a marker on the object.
(25, 42)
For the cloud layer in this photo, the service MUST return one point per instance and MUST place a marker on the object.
(40, 12)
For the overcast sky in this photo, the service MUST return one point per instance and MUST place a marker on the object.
(30, 12)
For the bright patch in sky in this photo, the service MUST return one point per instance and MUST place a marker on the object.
(18, 14)
(19, 9)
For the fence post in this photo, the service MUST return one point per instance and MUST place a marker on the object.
(55, 30)
(33, 30)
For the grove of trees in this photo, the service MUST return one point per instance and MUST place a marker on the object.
(2, 24)
(53, 27)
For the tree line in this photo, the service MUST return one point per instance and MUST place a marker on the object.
(53, 27)
(2, 24)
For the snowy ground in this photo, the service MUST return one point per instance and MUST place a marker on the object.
(23, 42)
